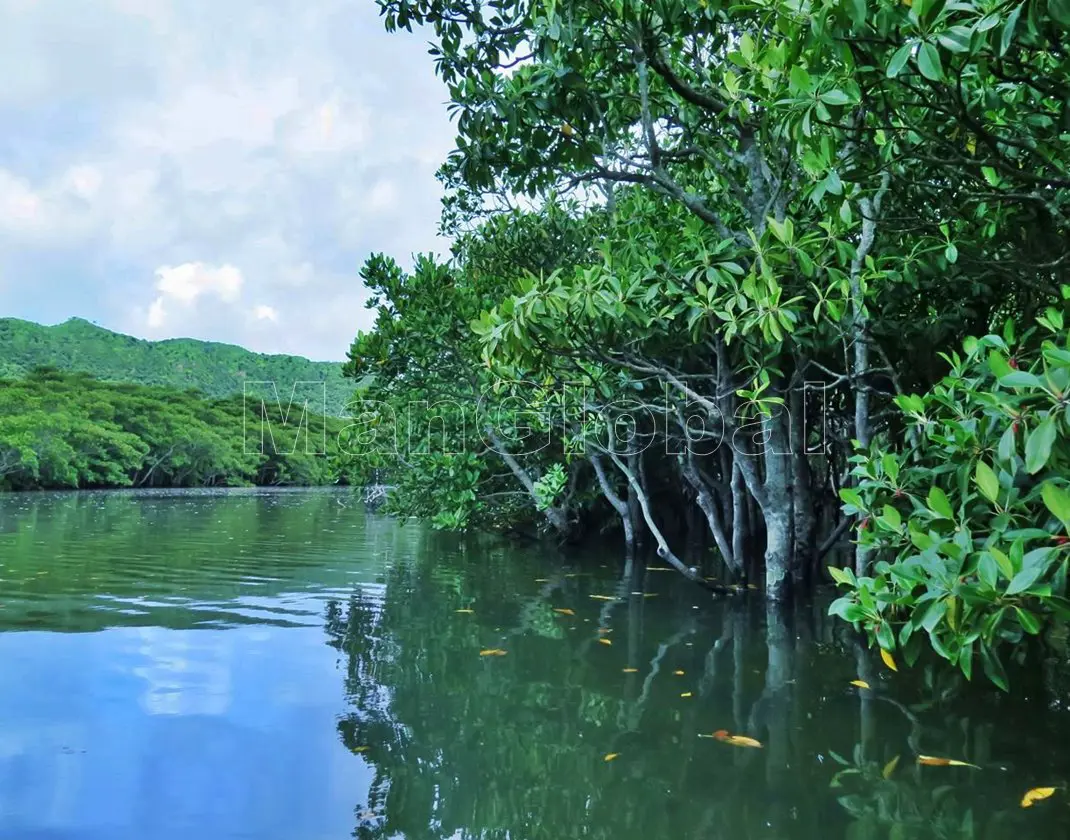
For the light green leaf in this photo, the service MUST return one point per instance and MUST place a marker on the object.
(1057, 501)
(987, 481)
(939, 504)
(1038, 445)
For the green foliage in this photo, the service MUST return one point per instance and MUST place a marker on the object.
(68, 430)
(216, 370)
(971, 523)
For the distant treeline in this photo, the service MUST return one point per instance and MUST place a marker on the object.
(69, 430)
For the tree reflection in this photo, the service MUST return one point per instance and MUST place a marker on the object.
(464, 746)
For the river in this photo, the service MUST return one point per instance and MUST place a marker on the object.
(255, 664)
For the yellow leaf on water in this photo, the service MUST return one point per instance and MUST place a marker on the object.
(630, 670)
(889, 768)
(603, 598)
(542, 580)
(493, 652)
(888, 660)
(678, 673)
(360, 749)
(686, 694)
(860, 683)
(935, 761)
(611, 756)
(752, 586)
(605, 642)
(735, 740)
(1035, 795)
(565, 611)
(650, 594)
(466, 612)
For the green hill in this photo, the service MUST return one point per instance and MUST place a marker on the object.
(216, 370)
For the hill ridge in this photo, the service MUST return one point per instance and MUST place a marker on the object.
(216, 369)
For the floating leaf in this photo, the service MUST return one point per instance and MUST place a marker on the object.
(686, 694)
(565, 611)
(360, 749)
(611, 756)
(603, 598)
(542, 580)
(678, 673)
(934, 761)
(466, 612)
(735, 740)
(889, 768)
(860, 683)
(650, 594)
(493, 652)
(630, 670)
(1035, 795)
(888, 660)
(604, 642)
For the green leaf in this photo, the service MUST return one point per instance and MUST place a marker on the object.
(857, 11)
(1024, 579)
(1057, 501)
(951, 253)
(1029, 621)
(800, 79)
(885, 636)
(987, 481)
(835, 97)
(1008, 29)
(1020, 379)
(1007, 447)
(1038, 445)
(993, 667)
(1006, 567)
(891, 466)
(988, 570)
(899, 59)
(939, 504)
(956, 39)
(890, 518)
(929, 62)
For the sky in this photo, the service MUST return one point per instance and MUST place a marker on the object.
(210, 169)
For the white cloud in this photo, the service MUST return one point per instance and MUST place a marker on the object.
(189, 281)
(265, 313)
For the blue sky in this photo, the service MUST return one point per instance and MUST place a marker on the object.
(218, 170)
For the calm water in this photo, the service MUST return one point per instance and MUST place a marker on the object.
(283, 665)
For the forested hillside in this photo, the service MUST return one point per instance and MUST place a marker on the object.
(68, 430)
(216, 370)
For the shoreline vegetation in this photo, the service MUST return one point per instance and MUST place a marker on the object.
(70, 431)
(759, 212)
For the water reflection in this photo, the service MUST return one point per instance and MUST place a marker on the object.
(494, 747)
(163, 673)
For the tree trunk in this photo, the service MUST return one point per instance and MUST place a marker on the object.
(619, 505)
(708, 506)
(805, 518)
(740, 523)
